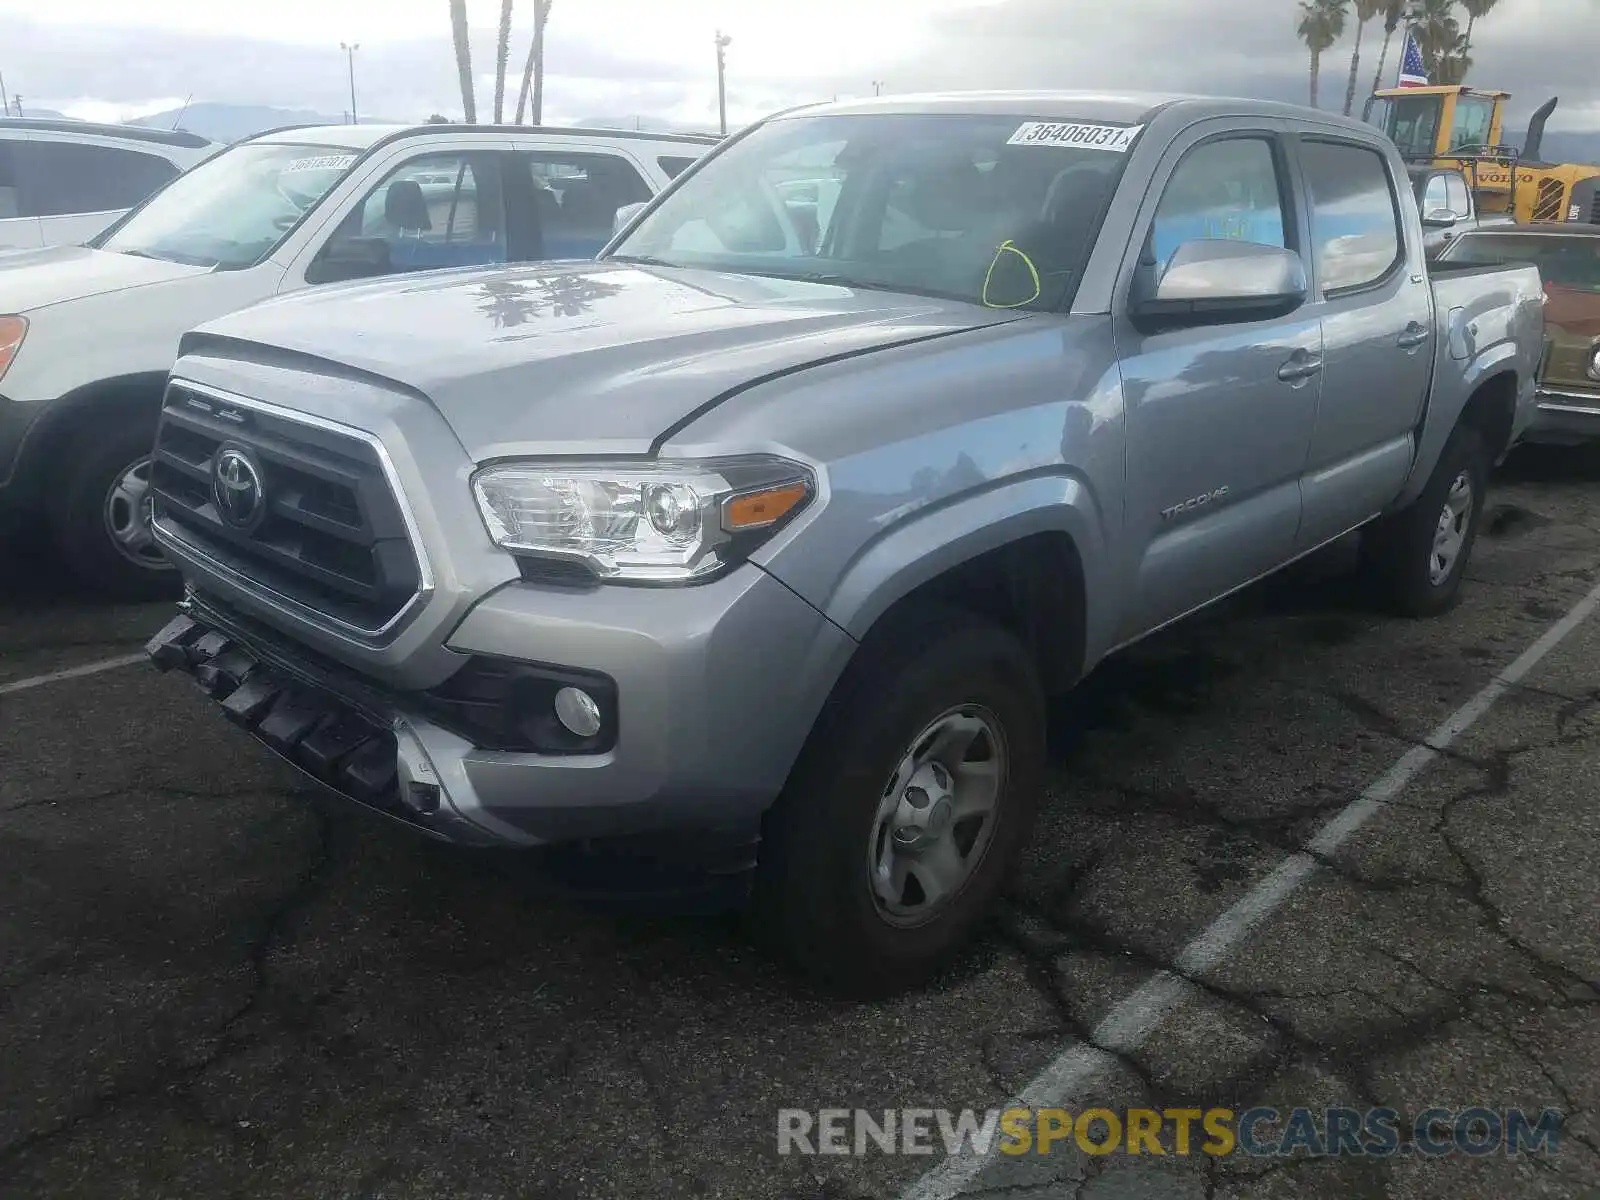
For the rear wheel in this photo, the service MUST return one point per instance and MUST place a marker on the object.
(908, 806)
(100, 513)
(1417, 556)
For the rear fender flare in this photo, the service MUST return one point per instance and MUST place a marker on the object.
(1444, 413)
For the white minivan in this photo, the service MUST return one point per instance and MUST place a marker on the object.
(62, 182)
(88, 333)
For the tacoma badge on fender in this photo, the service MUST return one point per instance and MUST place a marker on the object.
(1194, 502)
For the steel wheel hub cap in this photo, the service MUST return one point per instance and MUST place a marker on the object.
(937, 815)
(1451, 534)
(127, 518)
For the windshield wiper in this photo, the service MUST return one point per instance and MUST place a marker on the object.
(643, 260)
(865, 285)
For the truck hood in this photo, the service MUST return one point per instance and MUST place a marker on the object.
(603, 356)
(34, 279)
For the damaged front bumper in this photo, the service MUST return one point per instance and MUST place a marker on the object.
(367, 746)
(358, 745)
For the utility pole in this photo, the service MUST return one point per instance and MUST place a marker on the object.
(5, 97)
(350, 49)
(722, 82)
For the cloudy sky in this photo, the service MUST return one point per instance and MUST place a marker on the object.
(106, 59)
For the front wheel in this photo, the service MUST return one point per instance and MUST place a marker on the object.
(908, 806)
(1418, 555)
(100, 514)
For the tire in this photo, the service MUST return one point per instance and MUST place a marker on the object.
(82, 513)
(1399, 551)
(814, 893)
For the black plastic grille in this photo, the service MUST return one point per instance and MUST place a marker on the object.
(329, 533)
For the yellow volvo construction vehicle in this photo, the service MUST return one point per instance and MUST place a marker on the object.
(1462, 128)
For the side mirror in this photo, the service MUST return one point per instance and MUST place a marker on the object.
(627, 213)
(350, 258)
(1215, 275)
(1439, 218)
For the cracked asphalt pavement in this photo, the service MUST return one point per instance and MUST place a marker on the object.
(213, 983)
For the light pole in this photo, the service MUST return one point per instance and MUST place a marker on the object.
(877, 87)
(350, 49)
(722, 82)
(5, 97)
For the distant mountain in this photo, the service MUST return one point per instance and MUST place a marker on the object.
(230, 122)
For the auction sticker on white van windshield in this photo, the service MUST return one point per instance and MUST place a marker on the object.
(1115, 138)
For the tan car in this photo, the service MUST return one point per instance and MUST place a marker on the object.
(1568, 257)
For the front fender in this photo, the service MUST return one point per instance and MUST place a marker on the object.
(932, 540)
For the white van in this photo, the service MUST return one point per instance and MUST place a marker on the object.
(62, 182)
(88, 333)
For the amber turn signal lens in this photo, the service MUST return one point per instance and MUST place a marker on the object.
(756, 510)
(12, 331)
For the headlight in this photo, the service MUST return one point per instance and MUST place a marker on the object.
(1594, 363)
(651, 522)
(12, 331)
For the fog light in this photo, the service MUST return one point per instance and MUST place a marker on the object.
(577, 710)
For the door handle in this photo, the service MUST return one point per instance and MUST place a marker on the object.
(1413, 336)
(1299, 368)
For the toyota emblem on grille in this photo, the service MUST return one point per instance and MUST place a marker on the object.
(236, 486)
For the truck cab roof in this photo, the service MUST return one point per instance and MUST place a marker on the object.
(1130, 107)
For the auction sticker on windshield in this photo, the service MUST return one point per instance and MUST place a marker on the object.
(325, 162)
(1115, 138)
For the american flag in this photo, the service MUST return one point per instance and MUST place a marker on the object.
(1413, 71)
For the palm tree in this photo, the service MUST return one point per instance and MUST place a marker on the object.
(458, 31)
(1455, 62)
(1437, 34)
(1321, 25)
(1365, 11)
(502, 53)
(533, 72)
(1391, 22)
(1475, 9)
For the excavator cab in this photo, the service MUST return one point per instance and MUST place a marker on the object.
(1433, 122)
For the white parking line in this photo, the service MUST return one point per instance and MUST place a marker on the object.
(1129, 1025)
(94, 668)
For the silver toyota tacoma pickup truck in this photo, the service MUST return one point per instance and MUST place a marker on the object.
(768, 534)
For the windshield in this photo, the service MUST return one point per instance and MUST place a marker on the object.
(993, 210)
(1570, 262)
(232, 210)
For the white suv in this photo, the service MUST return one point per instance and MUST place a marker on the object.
(88, 333)
(62, 182)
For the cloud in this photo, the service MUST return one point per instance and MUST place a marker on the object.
(635, 58)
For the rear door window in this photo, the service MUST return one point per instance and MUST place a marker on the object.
(9, 200)
(578, 194)
(1355, 223)
(66, 178)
